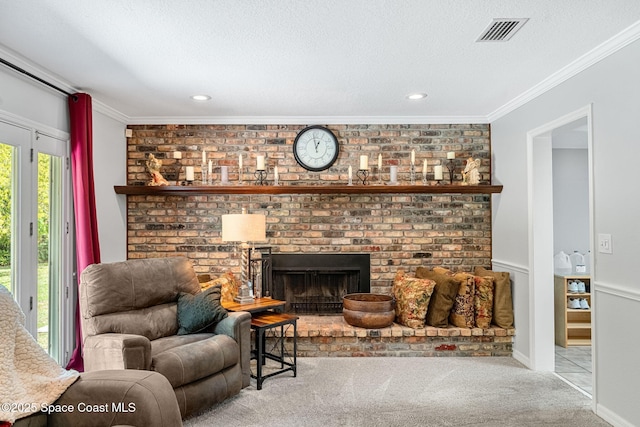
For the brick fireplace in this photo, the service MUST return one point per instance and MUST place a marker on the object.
(398, 231)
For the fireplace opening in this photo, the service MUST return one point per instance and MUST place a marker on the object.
(315, 284)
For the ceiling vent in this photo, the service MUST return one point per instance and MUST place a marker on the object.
(501, 30)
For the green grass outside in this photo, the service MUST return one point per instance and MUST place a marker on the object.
(43, 298)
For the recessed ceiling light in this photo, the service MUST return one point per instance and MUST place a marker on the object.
(417, 96)
(200, 97)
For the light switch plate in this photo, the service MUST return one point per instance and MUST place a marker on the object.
(604, 244)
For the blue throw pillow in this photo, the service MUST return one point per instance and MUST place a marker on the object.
(200, 311)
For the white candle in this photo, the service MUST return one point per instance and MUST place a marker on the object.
(350, 173)
(393, 174)
(424, 169)
(364, 163)
(379, 162)
(275, 173)
(224, 173)
(437, 171)
(260, 162)
(177, 155)
(189, 171)
(240, 161)
(210, 168)
(204, 156)
(451, 155)
(413, 157)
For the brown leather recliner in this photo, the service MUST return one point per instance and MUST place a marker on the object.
(110, 398)
(129, 321)
(37, 392)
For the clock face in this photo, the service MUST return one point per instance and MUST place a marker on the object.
(316, 148)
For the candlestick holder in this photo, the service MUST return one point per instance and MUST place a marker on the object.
(205, 173)
(261, 177)
(363, 174)
(424, 179)
(379, 176)
(276, 179)
(240, 176)
(173, 173)
(412, 174)
(452, 167)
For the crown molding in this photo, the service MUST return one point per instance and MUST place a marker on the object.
(258, 120)
(103, 108)
(614, 44)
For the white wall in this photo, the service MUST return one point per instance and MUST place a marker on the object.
(570, 200)
(613, 88)
(109, 166)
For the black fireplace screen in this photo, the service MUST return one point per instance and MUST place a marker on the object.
(315, 284)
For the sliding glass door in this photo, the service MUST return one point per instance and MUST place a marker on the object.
(35, 238)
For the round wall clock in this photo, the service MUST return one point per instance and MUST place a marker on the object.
(316, 148)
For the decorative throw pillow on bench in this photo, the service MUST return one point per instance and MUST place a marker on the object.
(442, 299)
(502, 300)
(473, 306)
(412, 299)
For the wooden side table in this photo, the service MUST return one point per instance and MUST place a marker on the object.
(258, 305)
(263, 322)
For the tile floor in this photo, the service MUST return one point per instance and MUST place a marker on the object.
(574, 365)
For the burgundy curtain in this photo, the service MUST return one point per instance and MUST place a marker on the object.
(84, 201)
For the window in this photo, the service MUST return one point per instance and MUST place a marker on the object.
(35, 261)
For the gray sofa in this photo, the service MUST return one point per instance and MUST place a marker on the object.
(129, 321)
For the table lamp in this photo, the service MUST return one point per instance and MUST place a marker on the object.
(244, 228)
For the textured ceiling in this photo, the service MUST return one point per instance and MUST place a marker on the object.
(276, 59)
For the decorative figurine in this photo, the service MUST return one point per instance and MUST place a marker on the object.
(471, 174)
(153, 165)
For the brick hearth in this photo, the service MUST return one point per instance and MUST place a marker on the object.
(331, 336)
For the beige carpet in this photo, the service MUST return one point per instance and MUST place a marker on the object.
(410, 391)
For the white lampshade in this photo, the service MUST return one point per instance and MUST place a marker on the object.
(244, 227)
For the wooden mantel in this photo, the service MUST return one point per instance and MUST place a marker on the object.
(195, 190)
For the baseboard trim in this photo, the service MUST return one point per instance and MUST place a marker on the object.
(522, 358)
(611, 417)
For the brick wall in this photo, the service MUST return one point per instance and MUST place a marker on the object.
(399, 230)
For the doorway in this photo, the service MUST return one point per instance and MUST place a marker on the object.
(571, 236)
(541, 234)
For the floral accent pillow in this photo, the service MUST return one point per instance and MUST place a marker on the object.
(463, 311)
(228, 283)
(412, 299)
(482, 301)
